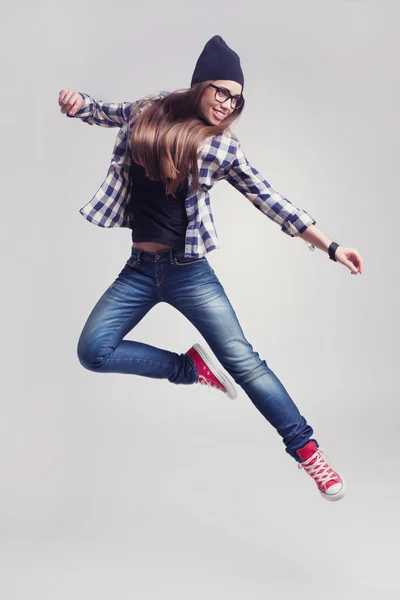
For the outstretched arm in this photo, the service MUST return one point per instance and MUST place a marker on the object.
(293, 221)
(245, 178)
(94, 112)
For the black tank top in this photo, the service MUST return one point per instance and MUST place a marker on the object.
(157, 216)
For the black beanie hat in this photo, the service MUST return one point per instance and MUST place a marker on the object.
(218, 61)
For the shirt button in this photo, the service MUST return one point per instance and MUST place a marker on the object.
(158, 256)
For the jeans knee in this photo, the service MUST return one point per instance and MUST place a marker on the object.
(248, 367)
(257, 369)
(89, 354)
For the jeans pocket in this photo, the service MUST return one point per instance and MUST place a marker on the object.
(181, 261)
(133, 260)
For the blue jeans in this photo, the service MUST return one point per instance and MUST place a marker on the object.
(192, 287)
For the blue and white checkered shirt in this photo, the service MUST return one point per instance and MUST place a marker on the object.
(219, 157)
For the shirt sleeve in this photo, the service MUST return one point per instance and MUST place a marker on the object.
(247, 180)
(104, 114)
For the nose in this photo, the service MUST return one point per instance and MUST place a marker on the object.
(225, 109)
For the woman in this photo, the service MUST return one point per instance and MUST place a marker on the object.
(170, 150)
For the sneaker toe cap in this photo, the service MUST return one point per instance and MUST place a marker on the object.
(335, 492)
(334, 489)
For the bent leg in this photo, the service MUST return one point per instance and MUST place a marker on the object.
(204, 302)
(123, 305)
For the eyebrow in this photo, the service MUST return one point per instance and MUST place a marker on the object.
(225, 88)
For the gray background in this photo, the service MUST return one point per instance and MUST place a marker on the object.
(118, 487)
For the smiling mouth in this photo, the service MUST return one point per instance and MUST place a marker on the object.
(219, 114)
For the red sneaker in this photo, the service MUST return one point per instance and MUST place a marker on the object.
(209, 373)
(317, 465)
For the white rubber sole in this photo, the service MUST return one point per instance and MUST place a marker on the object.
(335, 497)
(231, 392)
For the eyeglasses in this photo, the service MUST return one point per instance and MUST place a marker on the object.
(222, 95)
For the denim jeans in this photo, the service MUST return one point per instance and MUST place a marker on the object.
(191, 286)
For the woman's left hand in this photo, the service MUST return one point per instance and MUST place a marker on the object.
(350, 258)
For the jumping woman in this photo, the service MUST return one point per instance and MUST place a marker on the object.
(170, 150)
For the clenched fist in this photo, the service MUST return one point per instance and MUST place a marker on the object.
(70, 102)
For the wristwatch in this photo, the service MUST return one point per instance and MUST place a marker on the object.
(332, 249)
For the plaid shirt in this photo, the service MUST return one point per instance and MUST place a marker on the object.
(219, 157)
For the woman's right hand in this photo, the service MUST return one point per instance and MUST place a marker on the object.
(70, 102)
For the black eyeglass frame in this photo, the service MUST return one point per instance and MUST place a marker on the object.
(230, 97)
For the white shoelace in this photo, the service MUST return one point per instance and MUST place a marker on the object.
(321, 470)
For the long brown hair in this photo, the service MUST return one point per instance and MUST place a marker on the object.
(165, 138)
